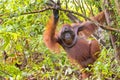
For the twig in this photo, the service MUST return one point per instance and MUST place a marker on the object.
(95, 22)
(45, 9)
(76, 6)
(53, 2)
(82, 4)
(66, 4)
(70, 11)
(89, 8)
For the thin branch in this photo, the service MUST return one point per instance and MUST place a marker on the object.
(95, 22)
(66, 2)
(45, 9)
(89, 8)
(82, 4)
(100, 40)
(76, 6)
(73, 18)
(53, 2)
(73, 12)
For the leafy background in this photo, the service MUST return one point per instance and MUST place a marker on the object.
(21, 39)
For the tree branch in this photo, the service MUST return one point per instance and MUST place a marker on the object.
(45, 9)
(95, 22)
(76, 13)
(70, 11)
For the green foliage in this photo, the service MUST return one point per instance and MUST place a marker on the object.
(21, 38)
(106, 66)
